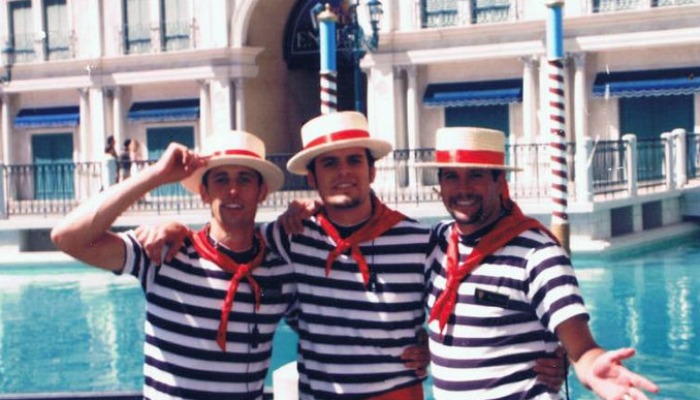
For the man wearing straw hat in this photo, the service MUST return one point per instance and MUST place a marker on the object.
(502, 290)
(359, 267)
(360, 272)
(211, 310)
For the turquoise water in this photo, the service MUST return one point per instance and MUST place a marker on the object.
(66, 327)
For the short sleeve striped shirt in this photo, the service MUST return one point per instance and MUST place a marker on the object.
(351, 337)
(506, 313)
(183, 310)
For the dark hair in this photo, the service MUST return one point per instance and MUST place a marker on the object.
(109, 146)
(311, 166)
(494, 172)
(126, 143)
(206, 175)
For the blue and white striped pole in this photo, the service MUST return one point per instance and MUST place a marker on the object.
(557, 121)
(327, 50)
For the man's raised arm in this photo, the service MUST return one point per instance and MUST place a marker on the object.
(84, 233)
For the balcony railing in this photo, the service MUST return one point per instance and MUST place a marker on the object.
(666, 3)
(609, 166)
(22, 47)
(445, 13)
(58, 45)
(491, 11)
(602, 6)
(176, 35)
(693, 155)
(55, 189)
(136, 38)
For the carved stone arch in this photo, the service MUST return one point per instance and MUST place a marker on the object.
(240, 21)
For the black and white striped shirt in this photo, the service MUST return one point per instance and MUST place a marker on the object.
(506, 313)
(351, 337)
(183, 310)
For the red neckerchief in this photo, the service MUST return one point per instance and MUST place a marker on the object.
(209, 252)
(505, 230)
(382, 219)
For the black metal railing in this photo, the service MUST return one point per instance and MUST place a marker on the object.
(58, 45)
(650, 162)
(668, 3)
(22, 47)
(176, 35)
(490, 11)
(692, 155)
(439, 13)
(601, 6)
(444, 13)
(136, 38)
(608, 162)
(45, 189)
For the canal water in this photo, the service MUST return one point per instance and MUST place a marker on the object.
(65, 327)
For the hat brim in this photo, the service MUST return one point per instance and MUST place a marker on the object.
(435, 164)
(297, 164)
(272, 175)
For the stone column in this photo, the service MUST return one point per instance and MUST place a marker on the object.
(84, 134)
(41, 35)
(630, 141)
(412, 123)
(580, 104)
(381, 110)
(156, 17)
(530, 95)
(94, 39)
(681, 156)
(117, 116)
(97, 124)
(6, 128)
(220, 94)
(240, 105)
(204, 112)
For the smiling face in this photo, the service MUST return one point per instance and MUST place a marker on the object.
(472, 196)
(342, 178)
(233, 192)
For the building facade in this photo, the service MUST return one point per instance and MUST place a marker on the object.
(79, 71)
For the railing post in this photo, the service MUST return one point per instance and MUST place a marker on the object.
(681, 152)
(513, 161)
(3, 197)
(584, 170)
(630, 141)
(667, 139)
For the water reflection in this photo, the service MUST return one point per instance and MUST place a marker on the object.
(70, 333)
(79, 329)
(649, 301)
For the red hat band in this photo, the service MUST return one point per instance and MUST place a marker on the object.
(470, 157)
(337, 137)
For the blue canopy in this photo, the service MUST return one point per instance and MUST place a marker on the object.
(660, 82)
(162, 111)
(53, 117)
(481, 93)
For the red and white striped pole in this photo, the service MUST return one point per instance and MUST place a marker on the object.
(557, 122)
(327, 51)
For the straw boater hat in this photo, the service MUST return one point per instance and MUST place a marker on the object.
(335, 131)
(469, 147)
(236, 148)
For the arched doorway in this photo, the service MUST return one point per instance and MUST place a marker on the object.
(301, 50)
(286, 91)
